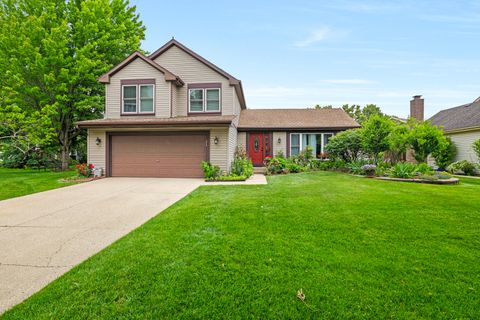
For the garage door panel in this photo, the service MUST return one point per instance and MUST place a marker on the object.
(158, 155)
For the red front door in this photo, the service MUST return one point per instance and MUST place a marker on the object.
(258, 147)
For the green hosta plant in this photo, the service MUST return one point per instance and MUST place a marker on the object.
(403, 170)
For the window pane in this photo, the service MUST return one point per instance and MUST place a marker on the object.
(318, 146)
(294, 151)
(146, 91)
(130, 91)
(146, 105)
(196, 94)
(326, 137)
(196, 106)
(213, 105)
(213, 94)
(295, 139)
(129, 105)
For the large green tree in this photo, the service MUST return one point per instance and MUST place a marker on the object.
(51, 53)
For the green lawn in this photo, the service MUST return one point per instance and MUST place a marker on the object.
(359, 248)
(20, 182)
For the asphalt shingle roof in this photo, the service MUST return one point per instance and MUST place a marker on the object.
(334, 118)
(464, 116)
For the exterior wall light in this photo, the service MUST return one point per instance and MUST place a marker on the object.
(98, 141)
(215, 140)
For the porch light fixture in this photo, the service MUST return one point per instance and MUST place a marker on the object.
(279, 140)
(98, 141)
(215, 140)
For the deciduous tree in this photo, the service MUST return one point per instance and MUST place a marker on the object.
(52, 53)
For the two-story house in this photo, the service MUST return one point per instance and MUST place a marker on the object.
(168, 112)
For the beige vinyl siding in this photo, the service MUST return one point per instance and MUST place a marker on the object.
(242, 140)
(236, 103)
(219, 152)
(96, 154)
(190, 70)
(463, 141)
(232, 144)
(282, 146)
(173, 93)
(137, 69)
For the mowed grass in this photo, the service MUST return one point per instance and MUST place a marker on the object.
(20, 182)
(359, 248)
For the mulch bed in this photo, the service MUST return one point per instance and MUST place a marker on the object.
(80, 180)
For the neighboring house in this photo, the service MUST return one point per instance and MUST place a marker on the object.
(462, 125)
(168, 112)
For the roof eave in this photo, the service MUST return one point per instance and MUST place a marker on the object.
(270, 128)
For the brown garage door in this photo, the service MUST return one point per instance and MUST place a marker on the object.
(164, 156)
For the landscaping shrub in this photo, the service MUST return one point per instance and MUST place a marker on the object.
(463, 167)
(476, 148)
(275, 165)
(424, 169)
(375, 135)
(241, 165)
(445, 154)
(403, 170)
(425, 139)
(355, 167)
(293, 167)
(210, 172)
(346, 145)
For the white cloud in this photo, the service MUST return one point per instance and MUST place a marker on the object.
(315, 36)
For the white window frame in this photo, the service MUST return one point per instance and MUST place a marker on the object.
(137, 97)
(302, 147)
(123, 99)
(204, 100)
(140, 97)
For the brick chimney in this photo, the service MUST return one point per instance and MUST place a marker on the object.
(417, 108)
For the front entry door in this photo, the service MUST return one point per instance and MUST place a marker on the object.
(258, 147)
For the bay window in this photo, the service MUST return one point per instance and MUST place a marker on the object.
(317, 141)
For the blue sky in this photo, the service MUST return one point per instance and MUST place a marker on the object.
(301, 53)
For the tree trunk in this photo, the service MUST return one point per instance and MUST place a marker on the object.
(65, 156)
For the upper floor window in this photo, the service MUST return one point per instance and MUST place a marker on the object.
(204, 99)
(138, 98)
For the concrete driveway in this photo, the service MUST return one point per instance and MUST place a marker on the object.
(45, 234)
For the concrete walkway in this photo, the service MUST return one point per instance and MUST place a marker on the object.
(44, 235)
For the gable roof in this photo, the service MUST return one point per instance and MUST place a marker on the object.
(462, 117)
(105, 78)
(237, 84)
(285, 119)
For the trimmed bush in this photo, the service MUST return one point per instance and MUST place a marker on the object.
(463, 167)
